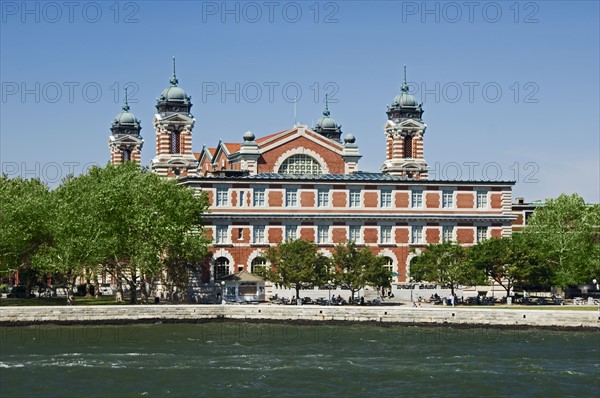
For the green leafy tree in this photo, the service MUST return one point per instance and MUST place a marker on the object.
(24, 226)
(510, 261)
(128, 222)
(567, 231)
(296, 263)
(357, 268)
(446, 264)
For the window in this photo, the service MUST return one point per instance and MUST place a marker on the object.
(242, 196)
(221, 268)
(417, 234)
(291, 197)
(221, 234)
(385, 235)
(323, 234)
(385, 198)
(447, 233)
(481, 234)
(408, 147)
(447, 199)
(323, 198)
(259, 197)
(417, 199)
(300, 164)
(482, 201)
(175, 143)
(389, 264)
(222, 197)
(258, 234)
(354, 198)
(291, 232)
(354, 234)
(258, 263)
(126, 155)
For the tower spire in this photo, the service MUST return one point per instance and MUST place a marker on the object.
(404, 85)
(125, 104)
(326, 111)
(173, 80)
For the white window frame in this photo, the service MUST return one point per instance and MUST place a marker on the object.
(355, 230)
(291, 232)
(323, 234)
(291, 197)
(385, 198)
(385, 234)
(447, 199)
(354, 198)
(481, 199)
(416, 234)
(221, 234)
(222, 197)
(322, 197)
(445, 230)
(416, 199)
(258, 197)
(481, 233)
(258, 234)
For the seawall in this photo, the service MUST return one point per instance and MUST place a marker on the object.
(456, 316)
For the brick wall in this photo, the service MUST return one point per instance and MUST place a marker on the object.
(371, 199)
(432, 199)
(275, 198)
(464, 200)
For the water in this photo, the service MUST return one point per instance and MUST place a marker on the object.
(222, 359)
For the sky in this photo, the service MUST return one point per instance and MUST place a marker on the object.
(510, 89)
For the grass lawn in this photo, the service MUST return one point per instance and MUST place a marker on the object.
(34, 301)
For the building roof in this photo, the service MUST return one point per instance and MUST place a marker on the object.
(243, 276)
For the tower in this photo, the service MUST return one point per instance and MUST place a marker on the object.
(125, 142)
(404, 132)
(173, 124)
(327, 127)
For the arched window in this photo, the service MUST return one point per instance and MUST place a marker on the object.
(221, 268)
(175, 143)
(300, 164)
(258, 262)
(389, 264)
(408, 149)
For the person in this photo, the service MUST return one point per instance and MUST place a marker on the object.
(362, 301)
(452, 300)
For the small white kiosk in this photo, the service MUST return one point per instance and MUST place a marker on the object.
(244, 287)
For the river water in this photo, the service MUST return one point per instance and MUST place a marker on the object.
(222, 359)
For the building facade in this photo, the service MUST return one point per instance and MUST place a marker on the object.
(304, 183)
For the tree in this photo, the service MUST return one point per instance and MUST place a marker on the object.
(297, 263)
(24, 226)
(128, 222)
(567, 231)
(446, 264)
(510, 261)
(357, 268)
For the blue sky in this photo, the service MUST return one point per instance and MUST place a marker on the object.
(510, 89)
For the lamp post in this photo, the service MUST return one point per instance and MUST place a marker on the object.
(329, 289)
(223, 292)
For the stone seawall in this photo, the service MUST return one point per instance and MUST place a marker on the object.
(559, 319)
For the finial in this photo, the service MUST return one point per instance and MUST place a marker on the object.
(173, 80)
(125, 104)
(404, 85)
(326, 111)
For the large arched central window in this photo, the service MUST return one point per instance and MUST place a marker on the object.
(300, 164)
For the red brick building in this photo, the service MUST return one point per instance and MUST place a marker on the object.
(304, 183)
